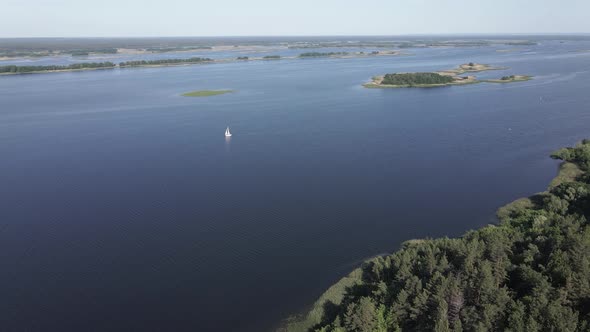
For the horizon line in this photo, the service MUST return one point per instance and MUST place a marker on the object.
(327, 35)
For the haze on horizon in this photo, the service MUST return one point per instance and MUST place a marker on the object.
(137, 18)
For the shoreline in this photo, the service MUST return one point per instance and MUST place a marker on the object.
(335, 295)
(214, 61)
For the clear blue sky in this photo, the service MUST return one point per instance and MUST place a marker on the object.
(103, 18)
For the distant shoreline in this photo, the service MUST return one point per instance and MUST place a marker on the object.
(212, 61)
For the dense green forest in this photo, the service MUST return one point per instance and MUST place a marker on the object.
(162, 62)
(529, 272)
(83, 52)
(410, 79)
(176, 49)
(13, 69)
(76, 66)
(320, 54)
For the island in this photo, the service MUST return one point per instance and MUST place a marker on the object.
(441, 78)
(13, 69)
(321, 54)
(509, 79)
(418, 80)
(530, 271)
(161, 62)
(206, 93)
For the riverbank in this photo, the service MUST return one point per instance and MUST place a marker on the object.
(487, 277)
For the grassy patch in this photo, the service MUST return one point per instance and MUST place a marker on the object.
(206, 93)
(333, 296)
(568, 172)
(512, 208)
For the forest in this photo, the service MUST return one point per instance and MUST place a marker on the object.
(76, 66)
(83, 52)
(320, 54)
(528, 272)
(136, 63)
(410, 79)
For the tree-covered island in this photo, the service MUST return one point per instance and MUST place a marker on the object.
(528, 272)
(509, 79)
(163, 62)
(13, 69)
(206, 93)
(440, 78)
(321, 54)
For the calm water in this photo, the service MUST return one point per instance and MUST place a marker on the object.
(124, 208)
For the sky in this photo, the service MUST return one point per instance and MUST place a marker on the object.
(143, 18)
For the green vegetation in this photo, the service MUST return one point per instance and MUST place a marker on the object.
(243, 58)
(163, 62)
(521, 43)
(271, 57)
(176, 49)
(530, 272)
(89, 51)
(19, 54)
(411, 79)
(440, 78)
(42, 53)
(79, 53)
(206, 93)
(319, 54)
(509, 79)
(12, 69)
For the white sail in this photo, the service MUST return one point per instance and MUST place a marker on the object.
(227, 133)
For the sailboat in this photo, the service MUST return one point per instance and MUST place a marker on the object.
(227, 133)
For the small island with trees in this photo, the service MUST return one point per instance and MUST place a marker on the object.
(14, 69)
(321, 54)
(511, 78)
(441, 78)
(206, 93)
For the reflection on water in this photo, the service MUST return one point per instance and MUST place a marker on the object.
(227, 143)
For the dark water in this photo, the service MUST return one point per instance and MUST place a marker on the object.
(125, 209)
